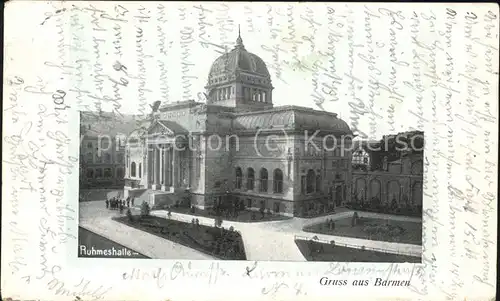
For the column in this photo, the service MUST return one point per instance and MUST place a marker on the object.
(169, 162)
(168, 166)
(174, 167)
(162, 169)
(146, 169)
(158, 166)
(151, 168)
(155, 164)
(190, 167)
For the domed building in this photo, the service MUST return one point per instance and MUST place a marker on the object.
(239, 152)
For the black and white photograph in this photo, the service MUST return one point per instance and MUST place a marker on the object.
(237, 177)
(249, 150)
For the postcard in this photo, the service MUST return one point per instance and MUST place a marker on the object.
(257, 151)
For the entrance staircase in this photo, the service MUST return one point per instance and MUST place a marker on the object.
(155, 198)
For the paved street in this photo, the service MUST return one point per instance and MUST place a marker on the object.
(263, 241)
(275, 240)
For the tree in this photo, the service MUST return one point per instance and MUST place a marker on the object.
(145, 210)
(129, 215)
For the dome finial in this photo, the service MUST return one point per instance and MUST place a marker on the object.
(239, 41)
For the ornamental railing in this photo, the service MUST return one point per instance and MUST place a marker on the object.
(315, 238)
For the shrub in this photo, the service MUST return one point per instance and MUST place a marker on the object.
(145, 210)
(129, 215)
(192, 209)
(231, 228)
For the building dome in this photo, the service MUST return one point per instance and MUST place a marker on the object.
(240, 80)
(229, 65)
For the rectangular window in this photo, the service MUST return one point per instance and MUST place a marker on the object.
(318, 183)
(263, 185)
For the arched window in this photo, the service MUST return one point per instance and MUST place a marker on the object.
(239, 176)
(263, 180)
(318, 183)
(417, 167)
(132, 169)
(360, 156)
(105, 144)
(140, 170)
(278, 181)
(107, 173)
(310, 181)
(393, 191)
(119, 173)
(360, 159)
(250, 179)
(89, 158)
(98, 173)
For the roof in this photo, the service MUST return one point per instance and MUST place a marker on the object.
(392, 139)
(169, 106)
(238, 59)
(291, 118)
(356, 144)
(108, 123)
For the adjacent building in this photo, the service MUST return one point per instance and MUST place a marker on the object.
(102, 149)
(389, 170)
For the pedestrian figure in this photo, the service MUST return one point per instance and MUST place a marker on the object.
(107, 204)
(133, 201)
(121, 208)
(128, 202)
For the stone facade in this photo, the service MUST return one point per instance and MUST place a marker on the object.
(239, 149)
(102, 150)
(399, 178)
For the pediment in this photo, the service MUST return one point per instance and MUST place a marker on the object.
(159, 128)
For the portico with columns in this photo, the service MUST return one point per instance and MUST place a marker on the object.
(166, 147)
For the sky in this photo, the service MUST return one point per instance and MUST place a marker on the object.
(312, 56)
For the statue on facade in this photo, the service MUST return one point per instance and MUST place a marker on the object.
(155, 106)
